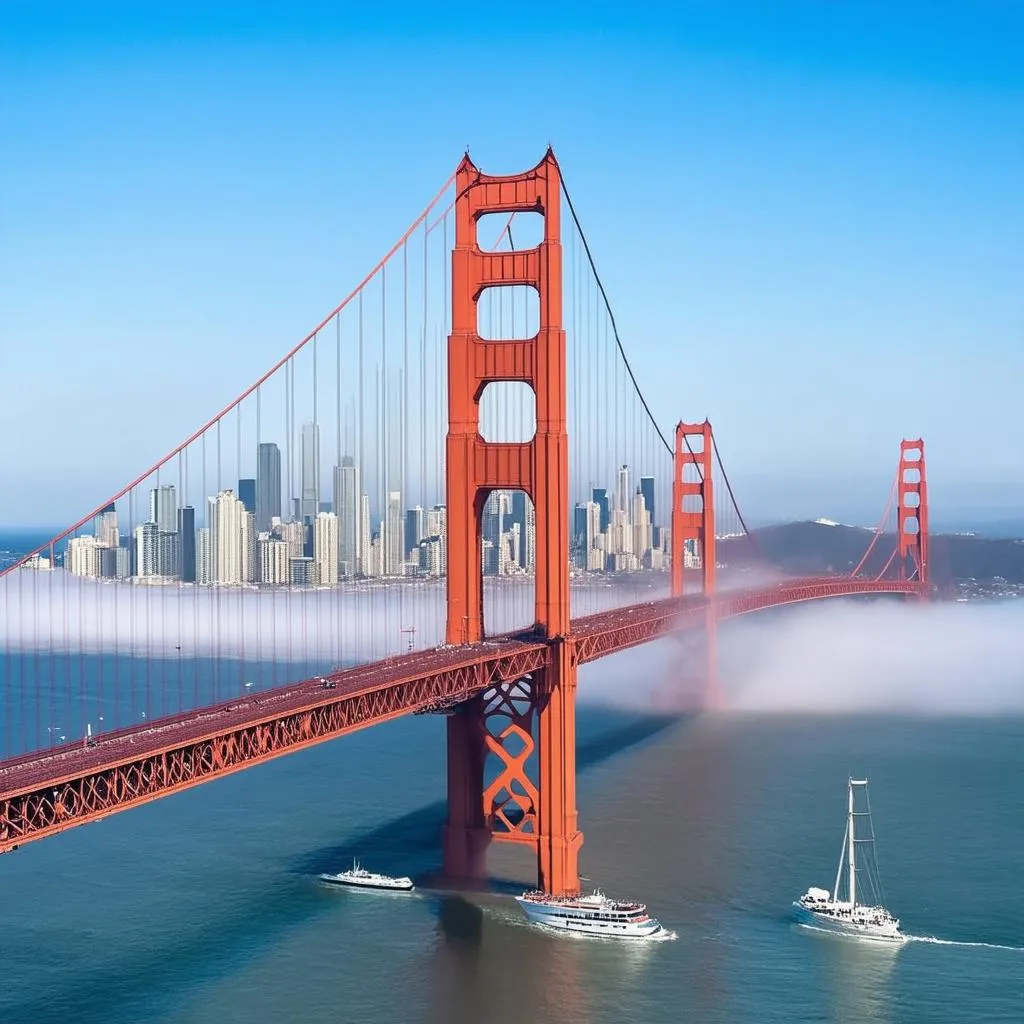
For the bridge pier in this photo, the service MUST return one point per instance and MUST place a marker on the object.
(465, 837)
(512, 721)
(560, 838)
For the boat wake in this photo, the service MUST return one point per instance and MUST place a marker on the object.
(953, 942)
(665, 935)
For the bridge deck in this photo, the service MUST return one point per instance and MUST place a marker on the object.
(50, 790)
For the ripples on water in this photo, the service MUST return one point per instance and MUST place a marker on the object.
(205, 907)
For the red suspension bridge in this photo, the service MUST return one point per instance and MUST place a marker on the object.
(236, 602)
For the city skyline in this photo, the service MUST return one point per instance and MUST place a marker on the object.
(343, 541)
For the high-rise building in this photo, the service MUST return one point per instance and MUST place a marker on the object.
(530, 539)
(496, 509)
(84, 556)
(365, 561)
(268, 485)
(599, 495)
(346, 507)
(435, 521)
(247, 494)
(310, 499)
(163, 508)
(623, 496)
(641, 526)
(115, 563)
(147, 550)
(431, 555)
(647, 490)
(204, 556)
(273, 560)
(393, 539)
(580, 526)
(519, 501)
(302, 572)
(187, 544)
(247, 545)
(413, 529)
(294, 535)
(226, 516)
(325, 549)
(107, 533)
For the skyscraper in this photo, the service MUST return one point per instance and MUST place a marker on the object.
(365, 560)
(325, 549)
(163, 508)
(310, 505)
(247, 494)
(107, 533)
(273, 560)
(413, 528)
(647, 490)
(346, 507)
(268, 485)
(204, 558)
(641, 525)
(599, 495)
(623, 497)
(529, 542)
(394, 535)
(518, 516)
(247, 547)
(187, 544)
(84, 556)
(147, 552)
(580, 533)
(225, 514)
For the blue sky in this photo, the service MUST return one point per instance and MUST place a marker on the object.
(809, 217)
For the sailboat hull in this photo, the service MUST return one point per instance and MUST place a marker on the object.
(838, 925)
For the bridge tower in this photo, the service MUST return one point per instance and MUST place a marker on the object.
(505, 720)
(912, 515)
(693, 521)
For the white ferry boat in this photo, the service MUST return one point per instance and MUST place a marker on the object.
(358, 877)
(595, 914)
(818, 908)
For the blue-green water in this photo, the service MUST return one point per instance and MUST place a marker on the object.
(204, 907)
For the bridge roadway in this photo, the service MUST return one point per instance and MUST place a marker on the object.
(51, 790)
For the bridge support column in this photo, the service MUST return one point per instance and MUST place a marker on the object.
(560, 837)
(465, 834)
(693, 534)
(501, 727)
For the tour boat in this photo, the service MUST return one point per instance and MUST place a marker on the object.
(595, 914)
(818, 908)
(359, 878)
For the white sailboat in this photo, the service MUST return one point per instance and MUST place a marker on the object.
(821, 909)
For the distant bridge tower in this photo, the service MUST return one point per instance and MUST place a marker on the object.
(912, 515)
(693, 526)
(513, 807)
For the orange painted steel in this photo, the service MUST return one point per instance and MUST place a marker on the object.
(502, 722)
(54, 790)
(692, 483)
(912, 515)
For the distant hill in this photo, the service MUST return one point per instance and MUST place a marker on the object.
(810, 549)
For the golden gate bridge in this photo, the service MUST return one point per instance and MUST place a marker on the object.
(217, 612)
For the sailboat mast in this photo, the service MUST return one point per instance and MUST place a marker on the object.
(851, 848)
(839, 870)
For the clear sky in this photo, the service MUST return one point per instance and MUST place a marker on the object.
(809, 217)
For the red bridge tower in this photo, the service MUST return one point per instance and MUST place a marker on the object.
(693, 519)
(912, 515)
(513, 807)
